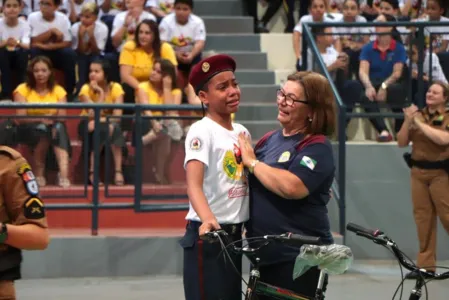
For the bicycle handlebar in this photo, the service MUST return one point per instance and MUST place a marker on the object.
(296, 240)
(380, 238)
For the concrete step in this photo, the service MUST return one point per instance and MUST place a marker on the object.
(259, 128)
(258, 93)
(233, 42)
(255, 76)
(257, 112)
(249, 59)
(228, 24)
(225, 8)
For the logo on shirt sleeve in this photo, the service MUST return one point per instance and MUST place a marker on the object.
(308, 162)
(195, 144)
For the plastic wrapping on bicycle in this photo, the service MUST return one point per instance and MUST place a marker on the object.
(333, 259)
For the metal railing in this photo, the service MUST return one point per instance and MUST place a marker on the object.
(95, 206)
(308, 42)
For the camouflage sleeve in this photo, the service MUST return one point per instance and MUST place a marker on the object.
(21, 194)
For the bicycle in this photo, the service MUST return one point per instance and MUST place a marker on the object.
(380, 238)
(331, 259)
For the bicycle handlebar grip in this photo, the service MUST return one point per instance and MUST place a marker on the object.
(357, 228)
(304, 239)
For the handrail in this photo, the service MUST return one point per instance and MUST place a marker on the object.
(341, 132)
(308, 41)
(95, 205)
(101, 106)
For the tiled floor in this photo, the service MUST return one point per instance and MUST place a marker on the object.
(366, 281)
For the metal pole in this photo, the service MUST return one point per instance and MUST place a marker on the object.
(342, 171)
(95, 184)
(138, 160)
(421, 54)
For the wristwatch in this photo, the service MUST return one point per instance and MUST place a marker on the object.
(3, 233)
(384, 86)
(252, 165)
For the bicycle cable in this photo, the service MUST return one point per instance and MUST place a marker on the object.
(401, 284)
(252, 239)
(223, 246)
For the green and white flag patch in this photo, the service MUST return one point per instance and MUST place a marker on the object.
(308, 162)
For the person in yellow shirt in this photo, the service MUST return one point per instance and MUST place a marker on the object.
(137, 58)
(38, 132)
(101, 90)
(161, 88)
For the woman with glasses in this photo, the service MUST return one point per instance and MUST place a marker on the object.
(291, 172)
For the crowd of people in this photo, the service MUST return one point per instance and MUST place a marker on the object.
(374, 65)
(142, 52)
(111, 52)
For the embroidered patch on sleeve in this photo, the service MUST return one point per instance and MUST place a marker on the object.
(29, 179)
(196, 144)
(34, 209)
(308, 162)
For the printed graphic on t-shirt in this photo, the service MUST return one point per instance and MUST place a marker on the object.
(232, 164)
(182, 43)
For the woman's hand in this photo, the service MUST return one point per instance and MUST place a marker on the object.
(381, 95)
(370, 93)
(157, 126)
(410, 112)
(246, 150)
(167, 82)
(96, 88)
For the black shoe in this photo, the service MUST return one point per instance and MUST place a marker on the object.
(415, 275)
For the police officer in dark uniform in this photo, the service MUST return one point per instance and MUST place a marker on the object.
(22, 218)
(428, 130)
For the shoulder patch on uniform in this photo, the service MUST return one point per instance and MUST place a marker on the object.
(14, 154)
(195, 144)
(308, 162)
(24, 171)
(34, 209)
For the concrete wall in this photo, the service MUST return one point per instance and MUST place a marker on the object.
(378, 196)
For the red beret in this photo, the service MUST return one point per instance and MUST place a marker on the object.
(203, 71)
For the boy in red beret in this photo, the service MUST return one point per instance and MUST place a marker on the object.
(216, 183)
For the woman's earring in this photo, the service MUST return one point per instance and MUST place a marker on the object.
(310, 119)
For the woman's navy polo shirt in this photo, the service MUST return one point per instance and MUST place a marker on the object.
(272, 214)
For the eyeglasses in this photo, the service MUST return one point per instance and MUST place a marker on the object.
(288, 99)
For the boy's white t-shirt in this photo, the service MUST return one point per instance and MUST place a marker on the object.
(182, 37)
(19, 32)
(78, 7)
(354, 33)
(119, 21)
(39, 25)
(164, 5)
(309, 19)
(225, 184)
(438, 34)
(100, 34)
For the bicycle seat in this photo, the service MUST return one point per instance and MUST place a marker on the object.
(333, 259)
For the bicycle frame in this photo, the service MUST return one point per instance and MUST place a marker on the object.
(257, 287)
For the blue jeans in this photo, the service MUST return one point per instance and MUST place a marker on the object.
(12, 62)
